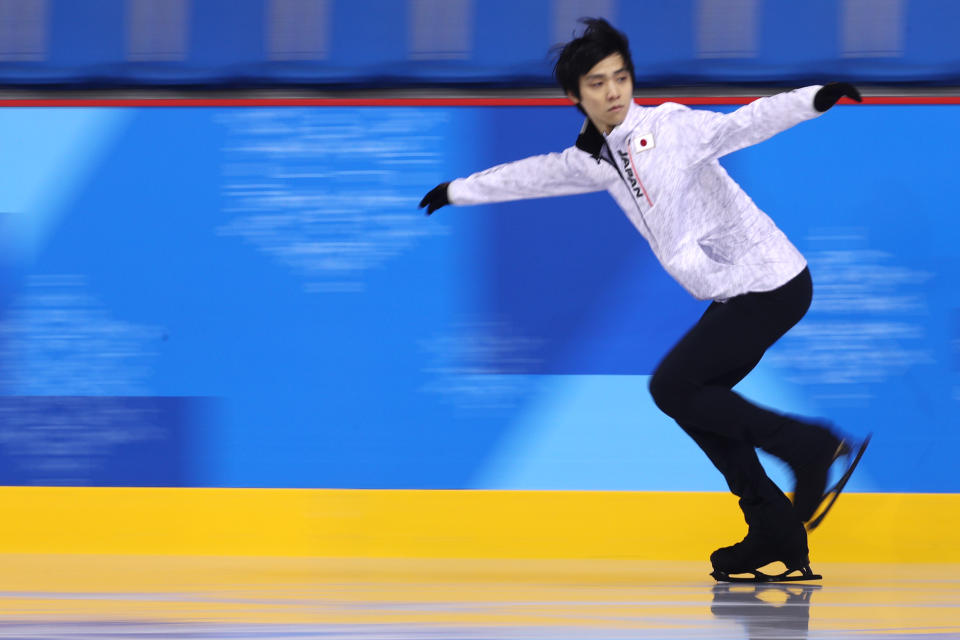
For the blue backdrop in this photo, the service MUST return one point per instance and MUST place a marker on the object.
(249, 297)
(342, 43)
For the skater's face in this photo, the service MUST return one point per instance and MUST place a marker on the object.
(605, 92)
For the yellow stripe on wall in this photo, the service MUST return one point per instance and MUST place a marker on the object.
(451, 524)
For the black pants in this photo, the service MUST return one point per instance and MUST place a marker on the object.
(693, 385)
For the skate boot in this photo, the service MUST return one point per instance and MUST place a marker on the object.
(811, 497)
(742, 562)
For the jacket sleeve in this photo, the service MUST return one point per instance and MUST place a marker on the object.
(710, 135)
(552, 174)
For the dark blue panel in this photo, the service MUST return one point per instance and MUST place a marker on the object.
(368, 34)
(368, 43)
(226, 34)
(86, 38)
(795, 38)
(524, 26)
(97, 441)
(662, 41)
(930, 35)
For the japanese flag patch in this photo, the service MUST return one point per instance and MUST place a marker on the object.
(643, 143)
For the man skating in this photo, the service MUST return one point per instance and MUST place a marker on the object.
(661, 166)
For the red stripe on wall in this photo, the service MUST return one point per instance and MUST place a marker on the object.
(420, 102)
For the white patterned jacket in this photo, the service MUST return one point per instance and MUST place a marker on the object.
(660, 165)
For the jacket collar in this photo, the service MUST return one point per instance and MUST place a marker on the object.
(592, 141)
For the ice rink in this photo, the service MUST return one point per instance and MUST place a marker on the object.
(89, 597)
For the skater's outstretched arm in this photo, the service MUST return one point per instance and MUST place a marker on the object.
(710, 135)
(552, 174)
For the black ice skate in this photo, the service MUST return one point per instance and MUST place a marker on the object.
(812, 500)
(742, 562)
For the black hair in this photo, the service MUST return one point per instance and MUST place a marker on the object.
(599, 40)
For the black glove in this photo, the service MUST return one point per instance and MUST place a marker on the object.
(435, 198)
(828, 95)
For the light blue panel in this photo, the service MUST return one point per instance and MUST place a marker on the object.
(596, 433)
(48, 154)
(605, 433)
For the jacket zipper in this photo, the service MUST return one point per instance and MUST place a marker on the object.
(627, 185)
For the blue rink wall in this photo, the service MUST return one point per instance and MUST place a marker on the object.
(249, 297)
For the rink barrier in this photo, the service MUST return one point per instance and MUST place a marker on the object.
(866, 527)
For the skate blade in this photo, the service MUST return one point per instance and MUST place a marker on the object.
(760, 577)
(831, 495)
